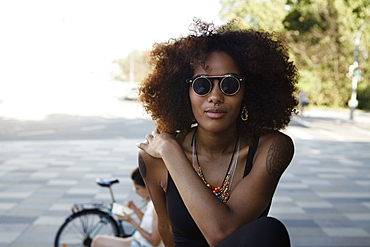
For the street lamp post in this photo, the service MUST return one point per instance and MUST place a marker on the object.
(353, 69)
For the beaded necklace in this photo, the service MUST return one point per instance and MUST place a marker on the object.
(221, 192)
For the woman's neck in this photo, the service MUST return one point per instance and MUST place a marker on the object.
(216, 143)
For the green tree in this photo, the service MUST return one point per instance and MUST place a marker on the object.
(258, 14)
(321, 35)
(132, 68)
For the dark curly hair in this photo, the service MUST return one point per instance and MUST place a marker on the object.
(261, 57)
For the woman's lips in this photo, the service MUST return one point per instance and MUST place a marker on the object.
(215, 113)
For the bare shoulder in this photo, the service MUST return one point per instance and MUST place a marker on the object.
(276, 137)
(277, 149)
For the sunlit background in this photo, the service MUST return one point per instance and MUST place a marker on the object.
(56, 56)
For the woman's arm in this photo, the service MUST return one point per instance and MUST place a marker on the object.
(155, 229)
(249, 199)
(153, 238)
(136, 210)
(155, 176)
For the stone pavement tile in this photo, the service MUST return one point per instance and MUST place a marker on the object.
(291, 209)
(304, 241)
(290, 216)
(344, 195)
(309, 241)
(7, 205)
(351, 241)
(363, 182)
(327, 216)
(331, 176)
(77, 199)
(28, 244)
(306, 231)
(14, 195)
(10, 232)
(316, 182)
(14, 218)
(325, 211)
(351, 208)
(325, 223)
(57, 207)
(312, 204)
(82, 191)
(62, 182)
(300, 223)
(23, 212)
(50, 221)
(300, 238)
(36, 234)
(357, 216)
(345, 232)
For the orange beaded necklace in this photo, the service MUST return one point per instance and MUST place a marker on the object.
(221, 192)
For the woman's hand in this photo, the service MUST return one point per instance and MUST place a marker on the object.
(125, 217)
(156, 143)
(130, 204)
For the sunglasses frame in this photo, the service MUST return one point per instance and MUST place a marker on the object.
(220, 80)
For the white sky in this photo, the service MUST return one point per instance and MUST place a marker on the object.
(51, 47)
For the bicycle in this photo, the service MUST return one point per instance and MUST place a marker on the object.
(89, 220)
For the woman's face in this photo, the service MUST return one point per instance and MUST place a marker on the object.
(141, 191)
(216, 111)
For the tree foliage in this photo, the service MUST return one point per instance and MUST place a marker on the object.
(321, 35)
(256, 14)
(132, 68)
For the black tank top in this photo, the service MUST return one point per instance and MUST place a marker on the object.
(185, 231)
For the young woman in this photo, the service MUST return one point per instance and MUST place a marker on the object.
(218, 97)
(146, 233)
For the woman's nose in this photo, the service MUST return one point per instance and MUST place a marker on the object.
(215, 96)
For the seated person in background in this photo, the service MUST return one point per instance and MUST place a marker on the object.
(146, 233)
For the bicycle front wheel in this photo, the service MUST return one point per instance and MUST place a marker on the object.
(80, 228)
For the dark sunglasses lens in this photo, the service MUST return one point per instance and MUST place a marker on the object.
(201, 86)
(230, 85)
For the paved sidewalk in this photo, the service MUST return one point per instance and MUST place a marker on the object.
(323, 198)
(341, 115)
(40, 180)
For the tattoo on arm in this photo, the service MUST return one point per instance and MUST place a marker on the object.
(142, 166)
(279, 156)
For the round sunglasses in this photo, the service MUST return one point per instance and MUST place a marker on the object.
(229, 84)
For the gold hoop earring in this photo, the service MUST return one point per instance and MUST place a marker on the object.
(244, 113)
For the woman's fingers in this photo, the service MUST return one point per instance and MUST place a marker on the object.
(154, 143)
(149, 138)
(139, 145)
(143, 145)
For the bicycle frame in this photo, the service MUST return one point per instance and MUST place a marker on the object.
(96, 229)
(99, 225)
